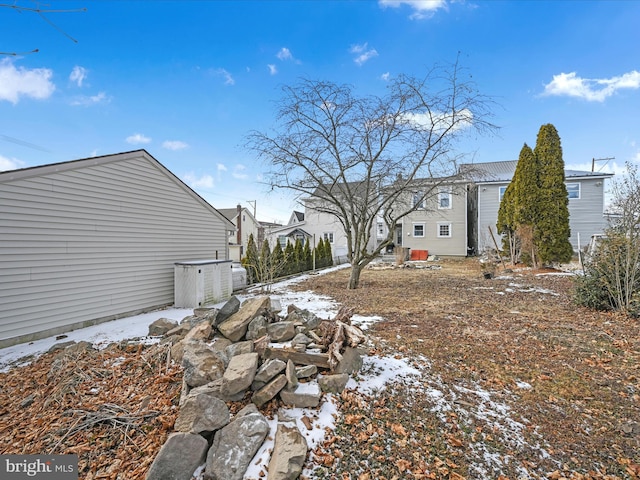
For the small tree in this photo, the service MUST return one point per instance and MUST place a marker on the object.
(250, 260)
(306, 253)
(270, 264)
(328, 255)
(320, 254)
(277, 260)
(289, 259)
(298, 257)
(265, 273)
(611, 278)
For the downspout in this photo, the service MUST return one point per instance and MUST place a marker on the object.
(239, 229)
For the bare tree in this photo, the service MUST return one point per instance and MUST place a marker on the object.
(357, 158)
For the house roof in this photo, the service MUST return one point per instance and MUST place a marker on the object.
(501, 172)
(230, 213)
(299, 215)
(30, 172)
(298, 230)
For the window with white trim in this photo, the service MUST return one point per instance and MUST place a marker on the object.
(573, 189)
(418, 200)
(501, 191)
(418, 229)
(283, 240)
(328, 236)
(444, 197)
(444, 230)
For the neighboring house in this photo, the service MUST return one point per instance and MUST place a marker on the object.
(92, 240)
(291, 232)
(490, 180)
(296, 217)
(439, 224)
(246, 225)
(460, 216)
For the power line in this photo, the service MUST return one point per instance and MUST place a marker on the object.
(17, 141)
(594, 160)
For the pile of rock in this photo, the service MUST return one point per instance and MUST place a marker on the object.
(250, 353)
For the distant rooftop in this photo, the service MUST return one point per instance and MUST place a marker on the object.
(492, 172)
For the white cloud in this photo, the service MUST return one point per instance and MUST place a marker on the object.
(87, 101)
(221, 167)
(284, 54)
(439, 121)
(137, 139)
(174, 145)
(78, 75)
(421, 8)
(17, 82)
(592, 90)
(228, 78)
(272, 69)
(385, 76)
(363, 53)
(204, 181)
(239, 172)
(10, 163)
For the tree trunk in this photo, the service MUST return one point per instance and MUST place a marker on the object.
(354, 280)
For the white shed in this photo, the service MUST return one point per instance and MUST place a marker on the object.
(91, 240)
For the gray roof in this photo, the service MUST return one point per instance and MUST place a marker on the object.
(230, 213)
(500, 172)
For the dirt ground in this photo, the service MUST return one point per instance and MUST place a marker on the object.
(514, 382)
(570, 376)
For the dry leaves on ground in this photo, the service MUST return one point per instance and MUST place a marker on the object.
(114, 408)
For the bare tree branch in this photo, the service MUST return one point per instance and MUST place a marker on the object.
(359, 159)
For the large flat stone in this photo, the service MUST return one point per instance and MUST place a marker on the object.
(179, 457)
(235, 327)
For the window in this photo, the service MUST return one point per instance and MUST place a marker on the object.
(328, 236)
(444, 197)
(573, 189)
(380, 229)
(501, 191)
(444, 230)
(418, 229)
(282, 239)
(418, 200)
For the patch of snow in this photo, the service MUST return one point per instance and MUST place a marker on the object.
(523, 385)
(99, 335)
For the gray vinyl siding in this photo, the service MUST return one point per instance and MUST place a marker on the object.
(488, 205)
(585, 213)
(94, 241)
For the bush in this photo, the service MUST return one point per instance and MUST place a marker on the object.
(612, 275)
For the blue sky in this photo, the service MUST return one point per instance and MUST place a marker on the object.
(187, 80)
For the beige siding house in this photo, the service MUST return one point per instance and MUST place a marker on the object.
(92, 240)
(246, 225)
(439, 224)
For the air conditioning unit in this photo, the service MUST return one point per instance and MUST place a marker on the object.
(202, 282)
